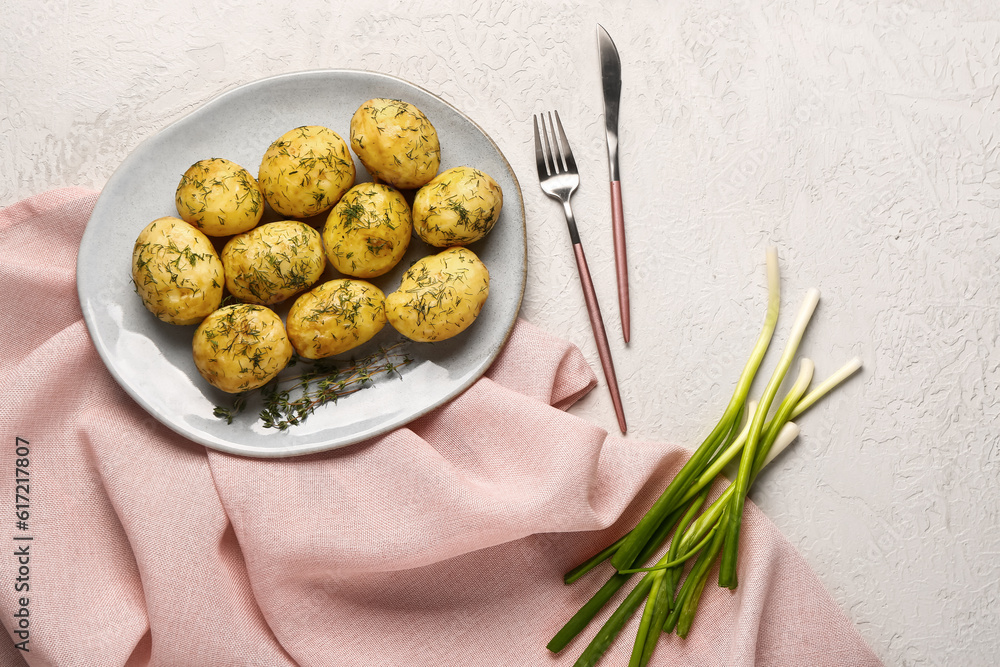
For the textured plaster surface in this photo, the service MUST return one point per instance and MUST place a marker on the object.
(862, 139)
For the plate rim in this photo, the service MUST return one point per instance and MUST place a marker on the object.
(232, 447)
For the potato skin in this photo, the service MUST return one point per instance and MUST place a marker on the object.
(241, 347)
(457, 207)
(368, 231)
(219, 197)
(335, 317)
(176, 271)
(440, 296)
(306, 171)
(273, 262)
(395, 142)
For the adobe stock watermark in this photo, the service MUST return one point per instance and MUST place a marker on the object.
(21, 628)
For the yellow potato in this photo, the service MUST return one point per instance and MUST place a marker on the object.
(241, 347)
(176, 271)
(458, 207)
(368, 231)
(396, 142)
(306, 171)
(219, 197)
(272, 262)
(440, 296)
(335, 317)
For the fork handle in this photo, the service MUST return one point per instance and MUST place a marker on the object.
(600, 335)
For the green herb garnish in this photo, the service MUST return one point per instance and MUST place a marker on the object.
(290, 400)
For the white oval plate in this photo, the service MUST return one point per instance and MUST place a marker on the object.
(152, 360)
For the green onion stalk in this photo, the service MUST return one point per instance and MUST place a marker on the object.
(626, 554)
(702, 539)
(727, 570)
(701, 536)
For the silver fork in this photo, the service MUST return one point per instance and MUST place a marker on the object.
(559, 178)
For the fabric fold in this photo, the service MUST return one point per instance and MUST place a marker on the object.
(441, 543)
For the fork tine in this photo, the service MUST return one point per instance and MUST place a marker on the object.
(567, 155)
(555, 150)
(551, 166)
(543, 144)
(540, 160)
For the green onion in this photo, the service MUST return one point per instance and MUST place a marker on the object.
(698, 577)
(589, 564)
(701, 536)
(627, 553)
(586, 614)
(727, 570)
(647, 618)
(710, 518)
(660, 599)
(602, 640)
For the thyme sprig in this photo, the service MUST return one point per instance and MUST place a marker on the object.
(288, 401)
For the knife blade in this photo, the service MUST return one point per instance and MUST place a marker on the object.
(611, 80)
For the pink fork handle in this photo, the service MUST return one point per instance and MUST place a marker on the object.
(621, 261)
(600, 335)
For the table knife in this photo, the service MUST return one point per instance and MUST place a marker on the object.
(611, 78)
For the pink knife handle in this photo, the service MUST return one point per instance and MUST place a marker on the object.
(600, 335)
(621, 261)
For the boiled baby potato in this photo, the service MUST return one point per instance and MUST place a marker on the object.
(241, 347)
(440, 296)
(335, 317)
(272, 262)
(219, 197)
(176, 271)
(396, 142)
(368, 231)
(459, 206)
(305, 171)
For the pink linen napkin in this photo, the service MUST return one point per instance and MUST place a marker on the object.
(442, 543)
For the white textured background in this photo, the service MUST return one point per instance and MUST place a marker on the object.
(860, 138)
